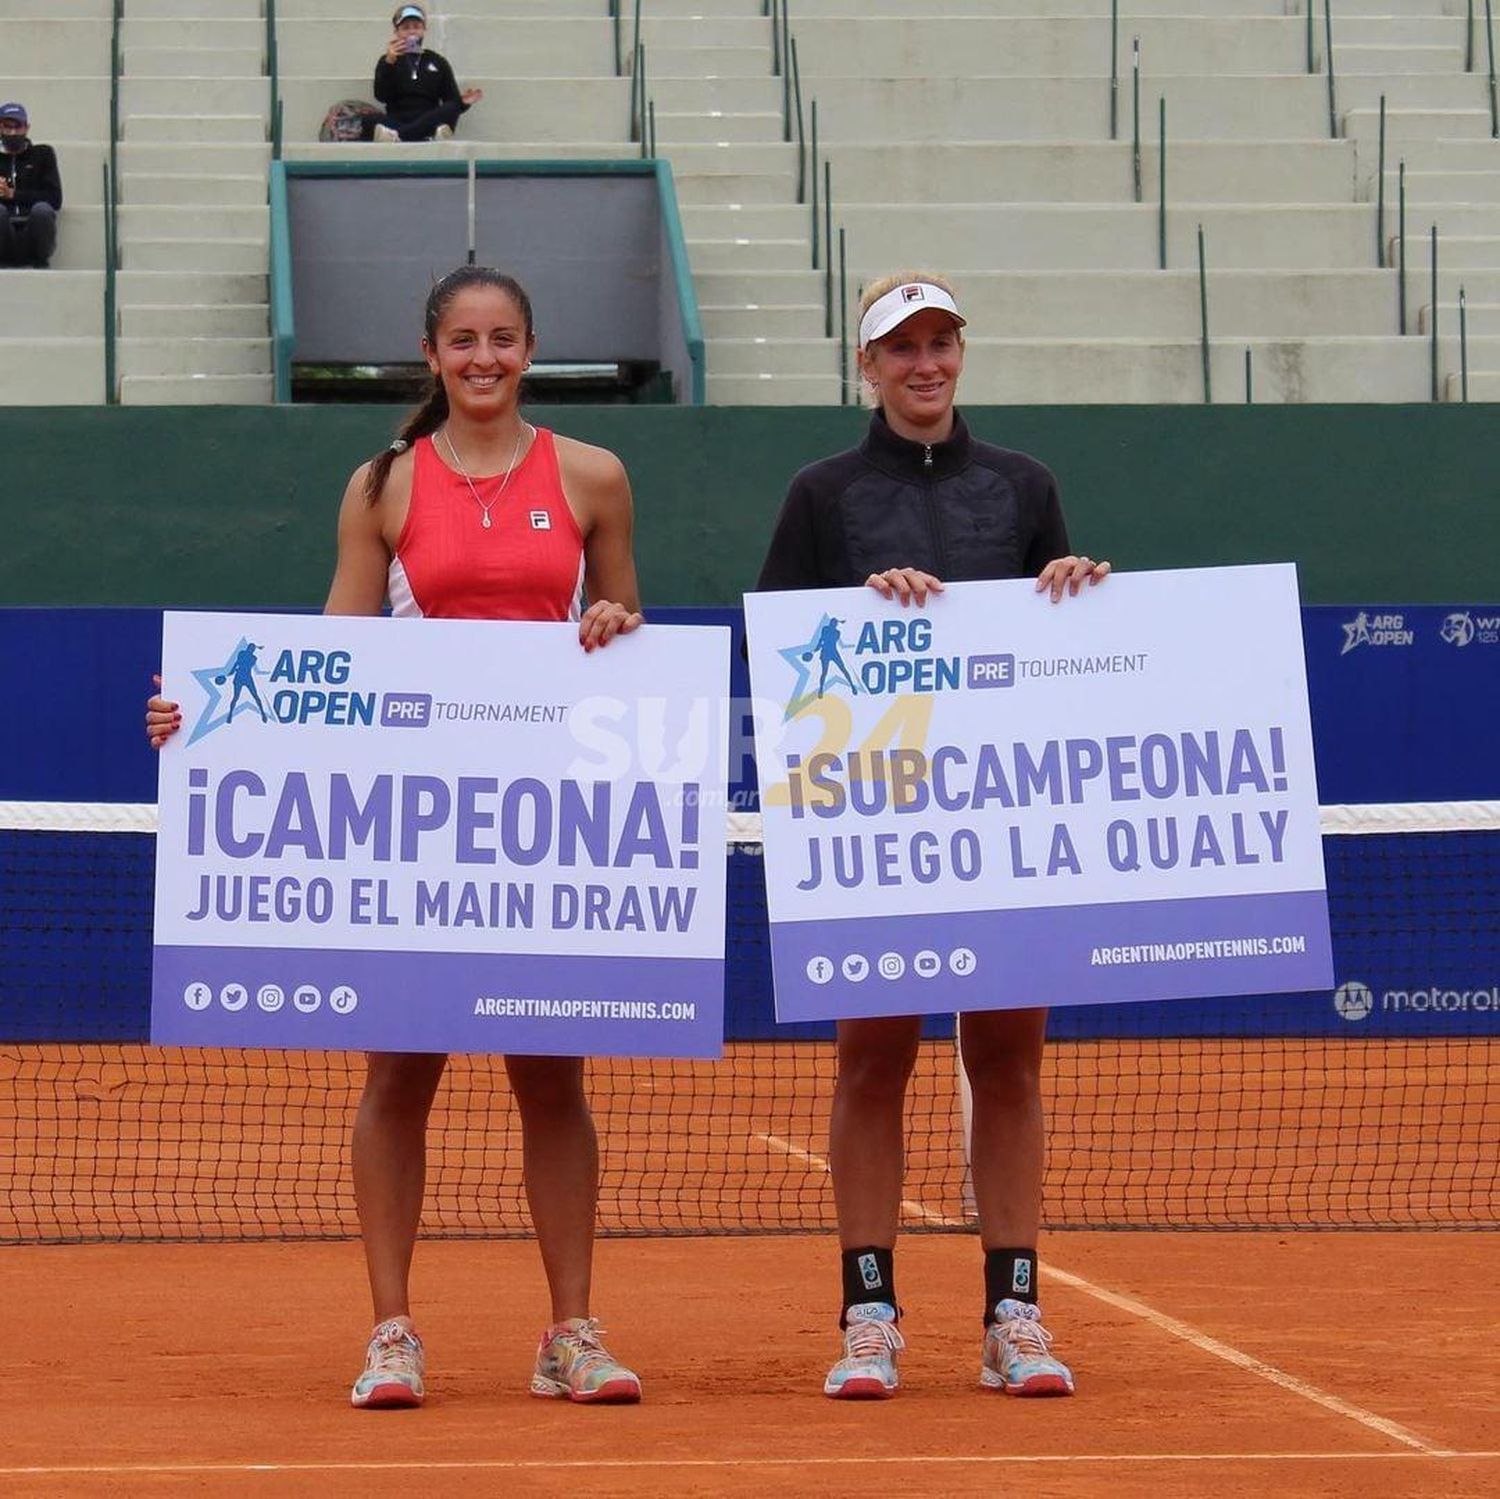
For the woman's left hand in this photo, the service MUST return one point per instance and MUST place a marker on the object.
(472, 95)
(1068, 574)
(601, 622)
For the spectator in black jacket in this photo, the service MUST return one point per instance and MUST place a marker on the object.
(30, 193)
(421, 96)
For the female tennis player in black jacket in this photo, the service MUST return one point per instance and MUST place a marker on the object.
(921, 501)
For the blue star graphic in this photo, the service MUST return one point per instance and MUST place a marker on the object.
(214, 680)
(805, 660)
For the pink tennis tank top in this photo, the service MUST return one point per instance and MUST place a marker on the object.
(527, 564)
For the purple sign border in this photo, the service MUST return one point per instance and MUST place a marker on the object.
(407, 1001)
(998, 960)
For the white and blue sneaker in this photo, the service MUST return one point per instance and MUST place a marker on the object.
(1018, 1354)
(872, 1340)
(392, 1377)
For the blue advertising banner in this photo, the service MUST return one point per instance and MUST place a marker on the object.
(1405, 707)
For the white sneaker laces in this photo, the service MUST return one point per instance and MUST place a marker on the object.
(872, 1339)
(589, 1351)
(1024, 1331)
(393, 1350)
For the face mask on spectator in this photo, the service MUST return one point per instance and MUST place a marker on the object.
(15, 144)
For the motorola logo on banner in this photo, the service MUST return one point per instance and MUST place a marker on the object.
(1353, 1000)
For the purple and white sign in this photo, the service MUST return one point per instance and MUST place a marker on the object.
(993, 801)
(441, 835)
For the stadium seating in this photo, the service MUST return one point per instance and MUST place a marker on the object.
(969, 135)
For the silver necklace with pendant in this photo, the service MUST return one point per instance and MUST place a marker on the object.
(484, 509)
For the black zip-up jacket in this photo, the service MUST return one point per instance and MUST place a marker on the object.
(415, 83)
(33, 173)
(962, 510)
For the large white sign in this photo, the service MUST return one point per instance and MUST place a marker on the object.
(993, 801)
(436, 835)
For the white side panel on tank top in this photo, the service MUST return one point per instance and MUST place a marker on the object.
(398, 589)
(575, 609)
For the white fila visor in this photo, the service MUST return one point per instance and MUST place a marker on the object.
(900, 303)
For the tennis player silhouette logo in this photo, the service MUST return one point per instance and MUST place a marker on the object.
(234, 678)
(243, 672)
(825, 650)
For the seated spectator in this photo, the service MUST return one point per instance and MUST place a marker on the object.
(417, 86)
(30, 193)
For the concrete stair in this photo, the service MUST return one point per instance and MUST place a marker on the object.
(194, 223)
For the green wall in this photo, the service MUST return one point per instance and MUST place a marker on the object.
(235, 506)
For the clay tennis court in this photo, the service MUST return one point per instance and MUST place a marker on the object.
(1208, 1362)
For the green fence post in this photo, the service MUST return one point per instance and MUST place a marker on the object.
(1114, 69)
(843, 321)
(801, 132)
(828, 249)
(1401, 242)
(1208, 387)
(1161, 189)
(1135, 113)
(815, 225)
(1434, 329)
(1463, 344)
(1380, 194)
(1333, 118)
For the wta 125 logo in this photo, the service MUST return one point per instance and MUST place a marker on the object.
(265, 686)
(886, 656)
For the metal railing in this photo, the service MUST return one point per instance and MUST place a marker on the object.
(1135, 113)
(1380, 193)
(111, 293)
(1161, 182)
(843, 320)
(639, 110)
(1249, 380)
(1312, 61)
(1434, 329)
(111, 186)
(1489, 42)
(273, 72)
(1469, 38)
(1401, 245)
(801, 129)
(637, 79)
(828, 248)
(1208, 382)
(1333, 114)
(814, 114)
(1463, 345)
(1114, 69)
(616, 21)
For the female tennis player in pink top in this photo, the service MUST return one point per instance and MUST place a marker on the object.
(473, 513)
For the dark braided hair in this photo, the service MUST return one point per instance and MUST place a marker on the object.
(433, 411)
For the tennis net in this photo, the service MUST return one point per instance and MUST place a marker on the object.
(1375, 1107)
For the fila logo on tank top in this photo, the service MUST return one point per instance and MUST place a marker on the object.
(527, 563)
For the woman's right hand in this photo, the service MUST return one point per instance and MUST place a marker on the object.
(163, 719)
(393, 48)
(904, 583)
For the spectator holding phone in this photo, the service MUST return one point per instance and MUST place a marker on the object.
(30, 193)
(416, 85)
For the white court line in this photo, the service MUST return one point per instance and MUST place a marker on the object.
(541, 1464)
(1177, 1329)
(914, 1209)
